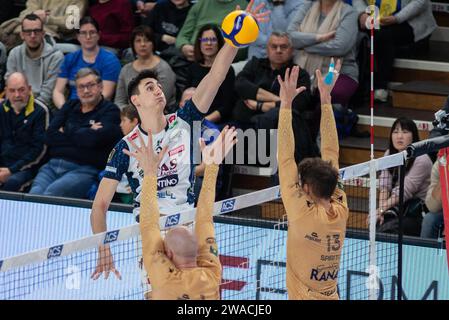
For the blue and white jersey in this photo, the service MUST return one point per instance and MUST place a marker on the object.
(176, 171)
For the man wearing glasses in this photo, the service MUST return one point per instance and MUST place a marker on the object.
(79, 139)
(37, 58)
(258, 91)
(89, 56)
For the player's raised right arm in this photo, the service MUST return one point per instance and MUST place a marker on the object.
(149, 161)
(328, 128)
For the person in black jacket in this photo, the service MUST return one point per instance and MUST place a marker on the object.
(258, 94)
(23, 122)
(79, 138)
(166, 19)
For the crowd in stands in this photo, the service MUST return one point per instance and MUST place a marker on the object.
(64, 74)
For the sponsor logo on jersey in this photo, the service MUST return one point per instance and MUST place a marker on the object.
(172, 220)
(111, 154)
(177, 150)
(168, 168)
(133, 136)
(55, 251)
(324, 274)
(227, 206)
(111, 236)
(158, 146)
(313, 237)
(168, 181)
(166, 194)
(111, 169)
(172, 121)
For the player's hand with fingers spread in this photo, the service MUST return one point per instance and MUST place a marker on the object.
(105, 263)
(217, 150)
(324, 88)
(148, 160)
(289, 90)
(259, 16)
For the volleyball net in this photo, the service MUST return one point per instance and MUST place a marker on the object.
(251, 232)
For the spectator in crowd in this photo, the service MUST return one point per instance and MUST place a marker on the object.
(143, 47)
(129, 119)
(417, 179)
(79, 138)
(92, 56)
(3, 58)
(55, 15)
(258, 92)
(166, 19)
(282, 13)
(410, 22)
(324, 29)
(204, 12)
(144, 7)
(116, 21)
(207, 45)
(23, 122)
(433, 221)
(39, 59)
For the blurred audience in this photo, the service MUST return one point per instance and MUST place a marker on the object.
(204, 12)
(324, 29)
(55, 16)
(8, 10)
(417, 180)
(282, 13)
(143, 47)
(23, 122)
(411, 21)
(115, 20)
(92, 56)
(79, 138)
(207, 45)
(433, 221)
(258, 92)
(39, 59)
(3, 58)
(166, 19)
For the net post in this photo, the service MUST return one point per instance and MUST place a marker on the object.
(401, 227)
(372, 231)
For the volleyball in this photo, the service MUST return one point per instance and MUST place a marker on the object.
(239, 29)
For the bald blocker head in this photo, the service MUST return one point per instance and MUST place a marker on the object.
(181, 242)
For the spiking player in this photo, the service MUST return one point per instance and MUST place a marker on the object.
(316, 206)
(183, 265)
(176, 174)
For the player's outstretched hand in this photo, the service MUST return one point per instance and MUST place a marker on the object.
(326, 84)
(217, 150)
(259, 16)
(148, 160)
(289, 90)
(105, 263)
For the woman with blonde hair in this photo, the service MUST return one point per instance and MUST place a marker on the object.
(324, 29)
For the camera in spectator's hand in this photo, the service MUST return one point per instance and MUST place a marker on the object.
(441, 120)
